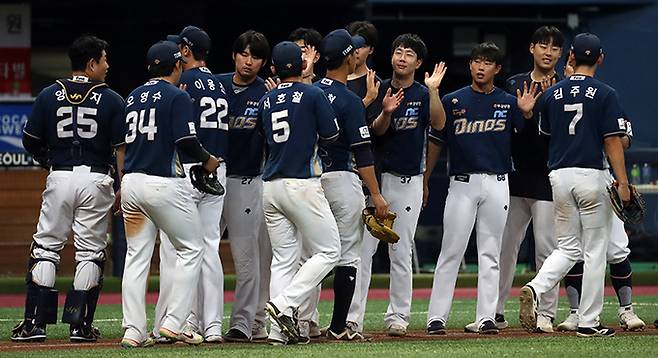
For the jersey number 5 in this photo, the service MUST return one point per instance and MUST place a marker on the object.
(578, 108)
(279, 123)
(206, 121)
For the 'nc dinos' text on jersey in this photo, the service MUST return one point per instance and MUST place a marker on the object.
(246, 147)
(403, 147)
(210, 110)
(158, 114)
(478, 130)
(578, 113)
(79, 120)
(292, 116)
(351, 116)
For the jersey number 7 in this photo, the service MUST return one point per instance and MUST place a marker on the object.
(578, 108)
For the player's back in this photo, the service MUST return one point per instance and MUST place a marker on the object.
(157, 114)
(210, 110)
(292, 116)
(578, 113)
(351, 118)
(80, 121)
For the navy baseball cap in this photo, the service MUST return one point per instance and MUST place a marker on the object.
(586, 46)
(287, 56)
(192, 36)
(339, 43)
(164, 53)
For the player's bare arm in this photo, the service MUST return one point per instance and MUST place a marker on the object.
(390, 103)
(437, 114)
(526, 100)
(433, 153)
(615, 152)
(370, 180)
(372, 88)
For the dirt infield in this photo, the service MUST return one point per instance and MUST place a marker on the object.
(18, 300)
(376, 336)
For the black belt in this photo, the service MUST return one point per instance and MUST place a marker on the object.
(94, 168)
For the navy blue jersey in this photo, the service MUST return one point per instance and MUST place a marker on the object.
(359, 86)
(351, 116)
(158, 114)
(478, 130)
(246, 146)
(291, 117)
(578, 113)
(210, 111)
(529, 151)
(79, 121)
(403, 147)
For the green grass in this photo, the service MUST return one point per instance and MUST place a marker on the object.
(463, 312)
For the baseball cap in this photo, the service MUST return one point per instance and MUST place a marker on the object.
(192, 36)
(339, 43)
(586, 46)
(164, 53)
(287, 56)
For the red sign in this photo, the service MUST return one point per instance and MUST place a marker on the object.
(15, 71)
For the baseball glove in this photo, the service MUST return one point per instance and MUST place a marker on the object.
(380, 228)
(204, 181)
(631, 212)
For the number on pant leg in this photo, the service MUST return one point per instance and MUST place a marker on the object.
(405, 179)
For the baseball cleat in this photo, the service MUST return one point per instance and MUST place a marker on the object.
(598, 331)
(544, 324)
(84, 334)
(26, 331)
(189, 337)
(629, 321)
(528, 308)
(501, 323)
(259, 332)
(471, 327)
(570, 324)
(236, 335)
(655, 323)
(131, 343)
(214, 338)
(286, 323)
(314, 330)
(276, 342)
(488, 327)
(436, 328)
(160, 339)
(396, 330)
(347, 335)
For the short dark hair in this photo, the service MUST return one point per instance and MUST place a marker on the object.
(295, 72)
(411, 41)
(585, 61)
(311, 37)
(337, 62)
(364, 29)
(161, 70)
(547, 35)
(256, 41)
(487, 51)
(85, 48)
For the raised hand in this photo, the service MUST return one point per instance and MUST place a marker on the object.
(526, 100)
(391, 102)
(434, 81)
(270, 84)
(372, 87)
(546, 83)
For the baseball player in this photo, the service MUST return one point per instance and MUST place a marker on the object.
(480, 121)
(309, 41)
(243, 212)
(530, 190)
(402, 126)
(292, 117)
(364, 81)
(74, 125)
(620, 267)
(155, 195)
(211, 123)
(583, 118)
(341, 160)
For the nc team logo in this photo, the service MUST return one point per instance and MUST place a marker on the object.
(409, 121)
(246, 121)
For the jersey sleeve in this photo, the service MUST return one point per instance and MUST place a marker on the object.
(425, 107)
(540, 113)
(518, 121)
(36, 123)
(182, 117)
(326, 118)
(437, 136)
(117, 120)
(612, 122)
(356, 130)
